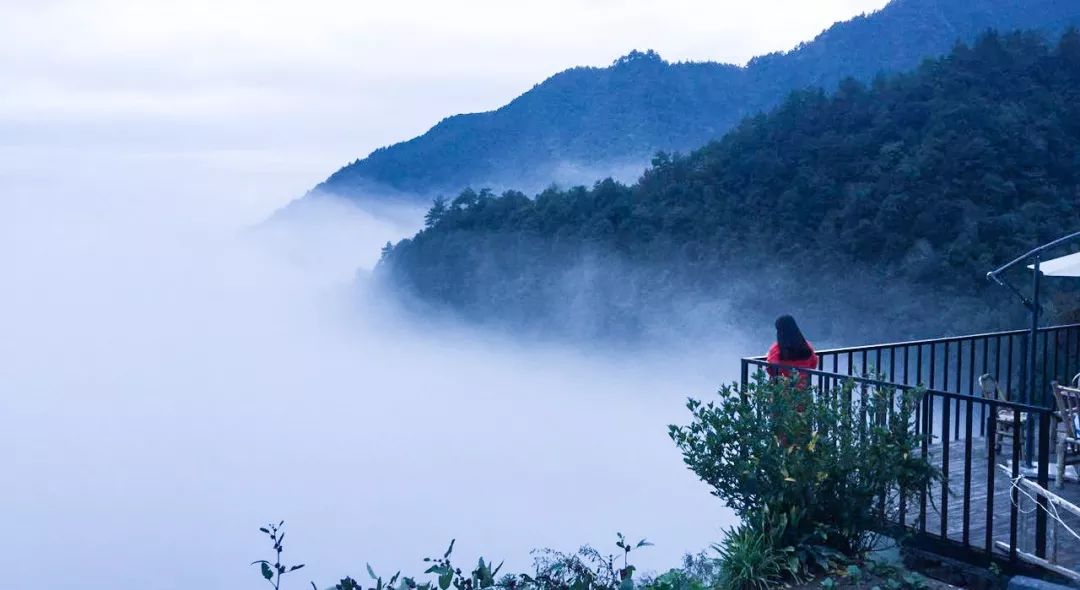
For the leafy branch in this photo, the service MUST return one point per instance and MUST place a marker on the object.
(272, 572)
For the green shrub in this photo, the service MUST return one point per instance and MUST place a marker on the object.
(814, 468)
(676, 580)
(586, 569)
(749, 560)
(699, 571)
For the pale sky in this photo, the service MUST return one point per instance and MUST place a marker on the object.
(148, 348)
(265, 98)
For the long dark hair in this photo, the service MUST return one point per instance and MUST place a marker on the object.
(789, 338)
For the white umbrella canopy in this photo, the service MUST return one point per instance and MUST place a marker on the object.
(1065, 266)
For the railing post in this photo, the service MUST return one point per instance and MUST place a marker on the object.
(946, 451)
(927, 432)
(1014, 496)
(1009, 394)
(991, 468)
(1042, 478)
(966, 527)
(1027, 378)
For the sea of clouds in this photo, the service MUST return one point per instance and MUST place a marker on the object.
(175, 375)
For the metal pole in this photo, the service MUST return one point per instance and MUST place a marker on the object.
(1035, 397)
(993, 274)
(1033, 361)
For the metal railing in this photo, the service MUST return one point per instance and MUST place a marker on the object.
(954, 364)
(952, 414)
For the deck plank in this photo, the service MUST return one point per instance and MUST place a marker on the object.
(1068, 548)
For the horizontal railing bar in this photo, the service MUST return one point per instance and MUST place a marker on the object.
(1038, 489)
(880, 383)
(1030, 558)
(924, 342)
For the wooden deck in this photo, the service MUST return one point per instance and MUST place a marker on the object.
(1068, 547)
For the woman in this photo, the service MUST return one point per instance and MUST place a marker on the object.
(790, 350)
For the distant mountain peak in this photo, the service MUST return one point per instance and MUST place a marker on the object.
(596, 122)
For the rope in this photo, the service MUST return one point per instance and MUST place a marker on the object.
(1050, 507)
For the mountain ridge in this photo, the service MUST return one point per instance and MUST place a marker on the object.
(579, 124)
(861, 209)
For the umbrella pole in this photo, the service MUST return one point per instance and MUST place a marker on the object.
(1033, 361)
(1028, 390)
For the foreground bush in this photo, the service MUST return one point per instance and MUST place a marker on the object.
(812, 474)
(751, 561)
(587, 569)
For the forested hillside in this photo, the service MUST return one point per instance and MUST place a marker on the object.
(586, 123)
(875, 210)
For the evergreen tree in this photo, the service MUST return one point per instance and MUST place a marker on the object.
(918, 184)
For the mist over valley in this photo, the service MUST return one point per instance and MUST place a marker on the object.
(489, 332)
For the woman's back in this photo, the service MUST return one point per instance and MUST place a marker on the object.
(791, 349)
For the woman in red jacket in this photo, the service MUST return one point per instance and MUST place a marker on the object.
(792, 350)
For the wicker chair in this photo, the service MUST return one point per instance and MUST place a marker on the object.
(1003, 417)
(1068, 435)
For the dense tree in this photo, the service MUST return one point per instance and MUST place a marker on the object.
(876, 200)
(438, 209)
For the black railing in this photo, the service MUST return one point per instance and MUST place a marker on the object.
(953, 413)
(954, 364)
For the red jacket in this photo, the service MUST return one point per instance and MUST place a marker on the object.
(810, 362)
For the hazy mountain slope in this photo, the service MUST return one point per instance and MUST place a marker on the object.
(899, 37)
(586, 123)
(581, 116)
(875, 211)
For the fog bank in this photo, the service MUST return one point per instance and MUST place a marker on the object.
(172, 380)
